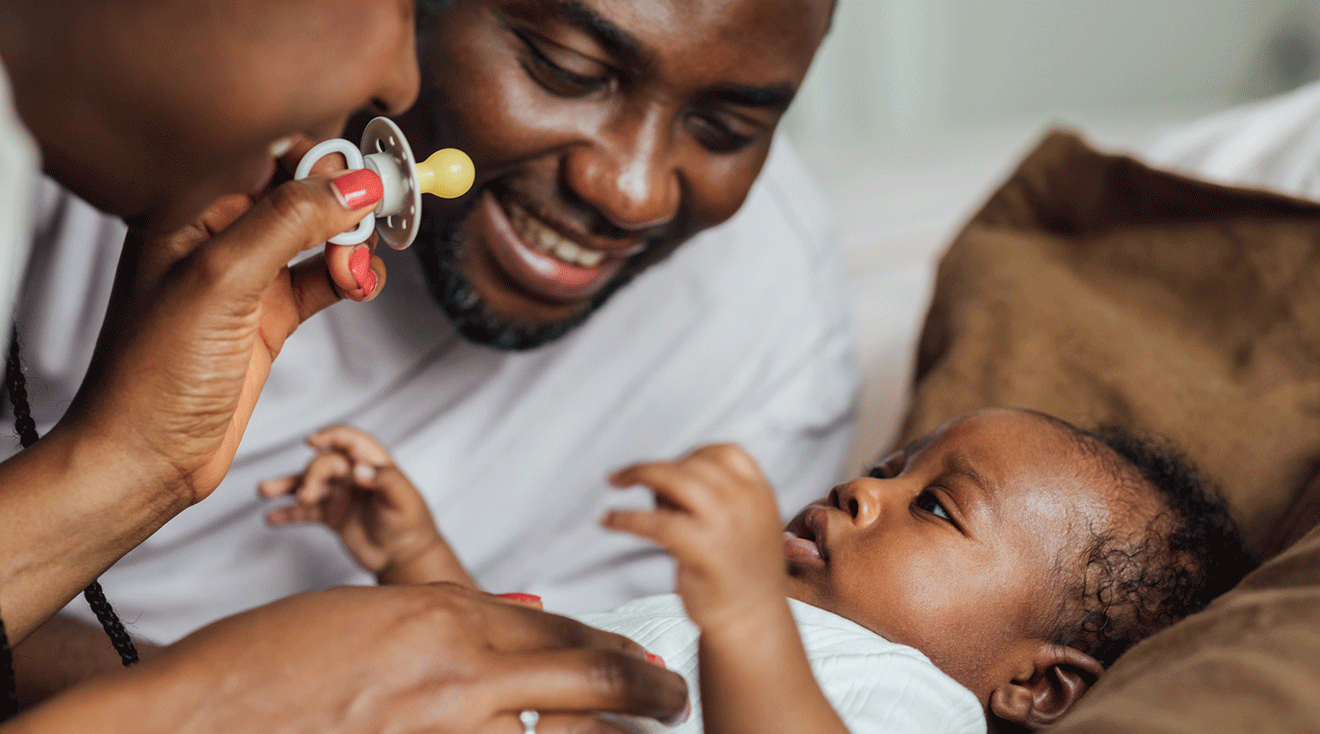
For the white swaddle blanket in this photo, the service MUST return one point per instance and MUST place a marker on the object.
(875, 685)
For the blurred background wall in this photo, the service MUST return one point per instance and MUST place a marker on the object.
(915, 110)
(895, 69)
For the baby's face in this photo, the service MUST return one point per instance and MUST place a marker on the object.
(952, 545)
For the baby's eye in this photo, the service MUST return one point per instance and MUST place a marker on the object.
(927, 501)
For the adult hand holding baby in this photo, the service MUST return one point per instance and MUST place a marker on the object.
(438, 657)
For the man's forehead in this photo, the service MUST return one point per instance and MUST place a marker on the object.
(657, 26)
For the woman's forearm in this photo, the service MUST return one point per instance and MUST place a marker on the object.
(69, 508)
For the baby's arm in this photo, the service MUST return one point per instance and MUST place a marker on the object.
(716, 514)
(353, 487)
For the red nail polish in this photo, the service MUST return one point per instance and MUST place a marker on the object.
(358, 189)
(654, 659)
(359, 264)
(514, 596)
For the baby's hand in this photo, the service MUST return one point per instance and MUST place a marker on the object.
(353, 487)
(716, 514)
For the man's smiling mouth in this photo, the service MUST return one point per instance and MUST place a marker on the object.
(548, 241)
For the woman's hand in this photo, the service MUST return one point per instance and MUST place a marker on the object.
(716, 515)
(359, 659)
(194, 321)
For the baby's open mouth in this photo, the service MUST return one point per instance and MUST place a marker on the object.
(802, 538)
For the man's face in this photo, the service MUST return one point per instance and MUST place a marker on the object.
(604, 132)
(953, 545)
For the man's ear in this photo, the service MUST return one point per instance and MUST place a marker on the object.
(1058, 677)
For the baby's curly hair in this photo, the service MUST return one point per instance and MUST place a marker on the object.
(1132, 587)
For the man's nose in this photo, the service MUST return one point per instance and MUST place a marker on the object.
(860, 498)
(628, 174)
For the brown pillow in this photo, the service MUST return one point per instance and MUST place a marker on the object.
(1099, 290)
(1248, 663)
(1102, 291)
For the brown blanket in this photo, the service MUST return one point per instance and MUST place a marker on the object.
(1102, 291)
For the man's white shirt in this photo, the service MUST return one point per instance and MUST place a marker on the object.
(741, 336)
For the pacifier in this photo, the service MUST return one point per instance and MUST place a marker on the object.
(448, 173)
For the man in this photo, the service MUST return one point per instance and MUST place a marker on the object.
(606, 134)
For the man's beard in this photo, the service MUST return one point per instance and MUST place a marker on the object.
(440, 248)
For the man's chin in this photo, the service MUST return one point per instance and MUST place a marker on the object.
(481, 323)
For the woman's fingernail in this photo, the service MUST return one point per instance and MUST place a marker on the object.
(358, 189)
(515, 596)
(359, 264)
(654, 659)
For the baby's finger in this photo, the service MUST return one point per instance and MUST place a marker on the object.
(294, 514)
(665, 529)
(279, 486)
(728, 457)
(674, 485)
(357, 444)
(320, 477)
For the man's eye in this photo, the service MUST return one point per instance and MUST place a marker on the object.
(720, 136)
(928, 502)
(555, 76)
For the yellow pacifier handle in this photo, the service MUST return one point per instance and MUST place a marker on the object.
(448, 173)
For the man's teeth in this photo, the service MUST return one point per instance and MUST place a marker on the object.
(549, 241)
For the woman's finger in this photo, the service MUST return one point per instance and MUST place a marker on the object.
(586, 679)
(295, 216)
(557, 723)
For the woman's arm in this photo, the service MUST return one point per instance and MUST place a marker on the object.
(194, 322)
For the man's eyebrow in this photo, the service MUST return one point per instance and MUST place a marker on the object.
(615, 40)
(774, 97)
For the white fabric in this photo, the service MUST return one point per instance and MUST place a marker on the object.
(742, 335)
(18, 173)
(875, 685)
(1272, 144)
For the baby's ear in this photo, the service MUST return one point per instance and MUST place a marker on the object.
(1058, 678)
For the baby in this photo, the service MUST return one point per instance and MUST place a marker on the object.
(987, 573)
